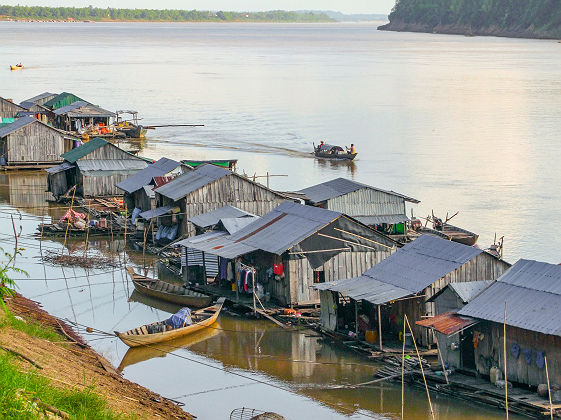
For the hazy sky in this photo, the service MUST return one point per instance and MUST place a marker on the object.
(345, 6)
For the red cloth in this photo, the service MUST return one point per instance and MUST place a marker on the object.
(278, 269)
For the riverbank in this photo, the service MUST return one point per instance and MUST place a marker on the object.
(457, 29)
(43, 358)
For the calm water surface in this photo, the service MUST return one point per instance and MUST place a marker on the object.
(467, 124)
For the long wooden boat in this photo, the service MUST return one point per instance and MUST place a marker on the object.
(452, 233)
(202, 318)
(141, 354)
(225, 163)
(169, 292)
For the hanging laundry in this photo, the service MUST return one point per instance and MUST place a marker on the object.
(527, 355)
(515, 350)
(540, 359)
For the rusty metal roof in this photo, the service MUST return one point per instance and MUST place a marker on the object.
(447, 323)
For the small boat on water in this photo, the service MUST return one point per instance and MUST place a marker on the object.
(224, 163)
(328, 151)
(168, 292)
(17, 67)
(445, 230)
(143, 335)
(130, 128)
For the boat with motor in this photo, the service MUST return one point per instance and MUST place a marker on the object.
(328, 151)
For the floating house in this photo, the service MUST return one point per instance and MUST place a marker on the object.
(293, 247)
(403, 284)
(40, 99)
(28, 141)
(209, 187)
(79, 114)
(95, 168)
(34, 107)
(138, 188)
(530, 294)
(369, 205)
(8, 109)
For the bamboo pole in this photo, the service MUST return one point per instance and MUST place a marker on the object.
(403, 372)
(125, 242)
(380, 328)
(440, 357)
(421, 365)
(504, 361)
(548, 389)
(87, 232)
(68, 219)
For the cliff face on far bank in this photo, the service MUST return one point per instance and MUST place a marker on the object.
(509, 18)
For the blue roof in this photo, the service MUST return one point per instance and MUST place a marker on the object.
(145, 176)
(16, 125)
(532, 293)
(408, 271)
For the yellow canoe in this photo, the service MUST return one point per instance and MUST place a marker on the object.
(16, 67)
(201, 319)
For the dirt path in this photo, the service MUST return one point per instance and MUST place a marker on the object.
(76, 365)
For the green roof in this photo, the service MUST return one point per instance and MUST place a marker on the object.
(79, 152)
(61, 100)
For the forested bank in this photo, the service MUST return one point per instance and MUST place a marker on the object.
(512, 18)
(168, 15)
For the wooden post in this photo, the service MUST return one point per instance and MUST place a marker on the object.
(421, 365)
(356, 318)
(504, 361)
(125, 242)
(87, 232)
(403, 372)
(253, 289)
(68, 220)
(380, 328)
(548, 389)
(440, 356)
(204, 269)
(267, 179)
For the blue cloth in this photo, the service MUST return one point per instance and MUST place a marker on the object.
(527, 355)
(223, 268)
(135, 214)
(515, 350)
(180, 319)
(540, 359)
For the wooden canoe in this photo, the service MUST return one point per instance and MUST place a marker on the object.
(340, 156)
(16, 67)
(201, 319)
(169, 292)
(453, 233)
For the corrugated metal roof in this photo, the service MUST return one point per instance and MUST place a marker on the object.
(532, 292)
(59, 168)
(218, 243)
(110, 164)
(64, 98)
(447, 323)
(409, 270)
(39, 97)
(83, 109)
(140, 179)
(467, 290)
(192, 181)
(391, 219)
(19, 123)
(159, 211)
(149, 190)
(211, 218)
(27, 104)
(85, 149)
(234, 224)
(341, 186)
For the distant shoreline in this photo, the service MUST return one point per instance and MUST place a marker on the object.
(188, 21)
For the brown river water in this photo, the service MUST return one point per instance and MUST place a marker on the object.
(467, 124)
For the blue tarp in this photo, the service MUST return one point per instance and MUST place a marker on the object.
(181, 319)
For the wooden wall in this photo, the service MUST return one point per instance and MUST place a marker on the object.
(296, 287)
(9, 109)
(232, 190)
(102, 183)
(36, 143)
(367, 202)
(490, 351)
(109, 151)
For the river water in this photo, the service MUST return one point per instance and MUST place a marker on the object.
(466, 124)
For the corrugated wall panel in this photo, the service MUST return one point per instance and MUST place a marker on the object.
(367, 202)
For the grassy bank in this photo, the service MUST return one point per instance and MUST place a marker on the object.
(22, 386)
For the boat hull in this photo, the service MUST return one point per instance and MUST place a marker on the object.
(341, 156)
(137, 340)
(191, 300)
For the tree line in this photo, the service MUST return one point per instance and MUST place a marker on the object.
(541, 17)
(168, 15)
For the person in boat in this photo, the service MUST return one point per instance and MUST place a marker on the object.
(351, 150)
(321, 144)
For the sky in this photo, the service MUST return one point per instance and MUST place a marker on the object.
(345, 6)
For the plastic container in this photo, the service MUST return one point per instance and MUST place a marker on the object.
(408, 340)
(371, 336)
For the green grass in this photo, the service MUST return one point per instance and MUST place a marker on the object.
(18, 388)
(29, 327)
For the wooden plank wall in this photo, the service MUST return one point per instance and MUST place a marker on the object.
(367, 202)
(109, 152)
(232, 190)
(300, 275)
(103, 182)
(9, 109)
(35, 143)
(490, 351)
